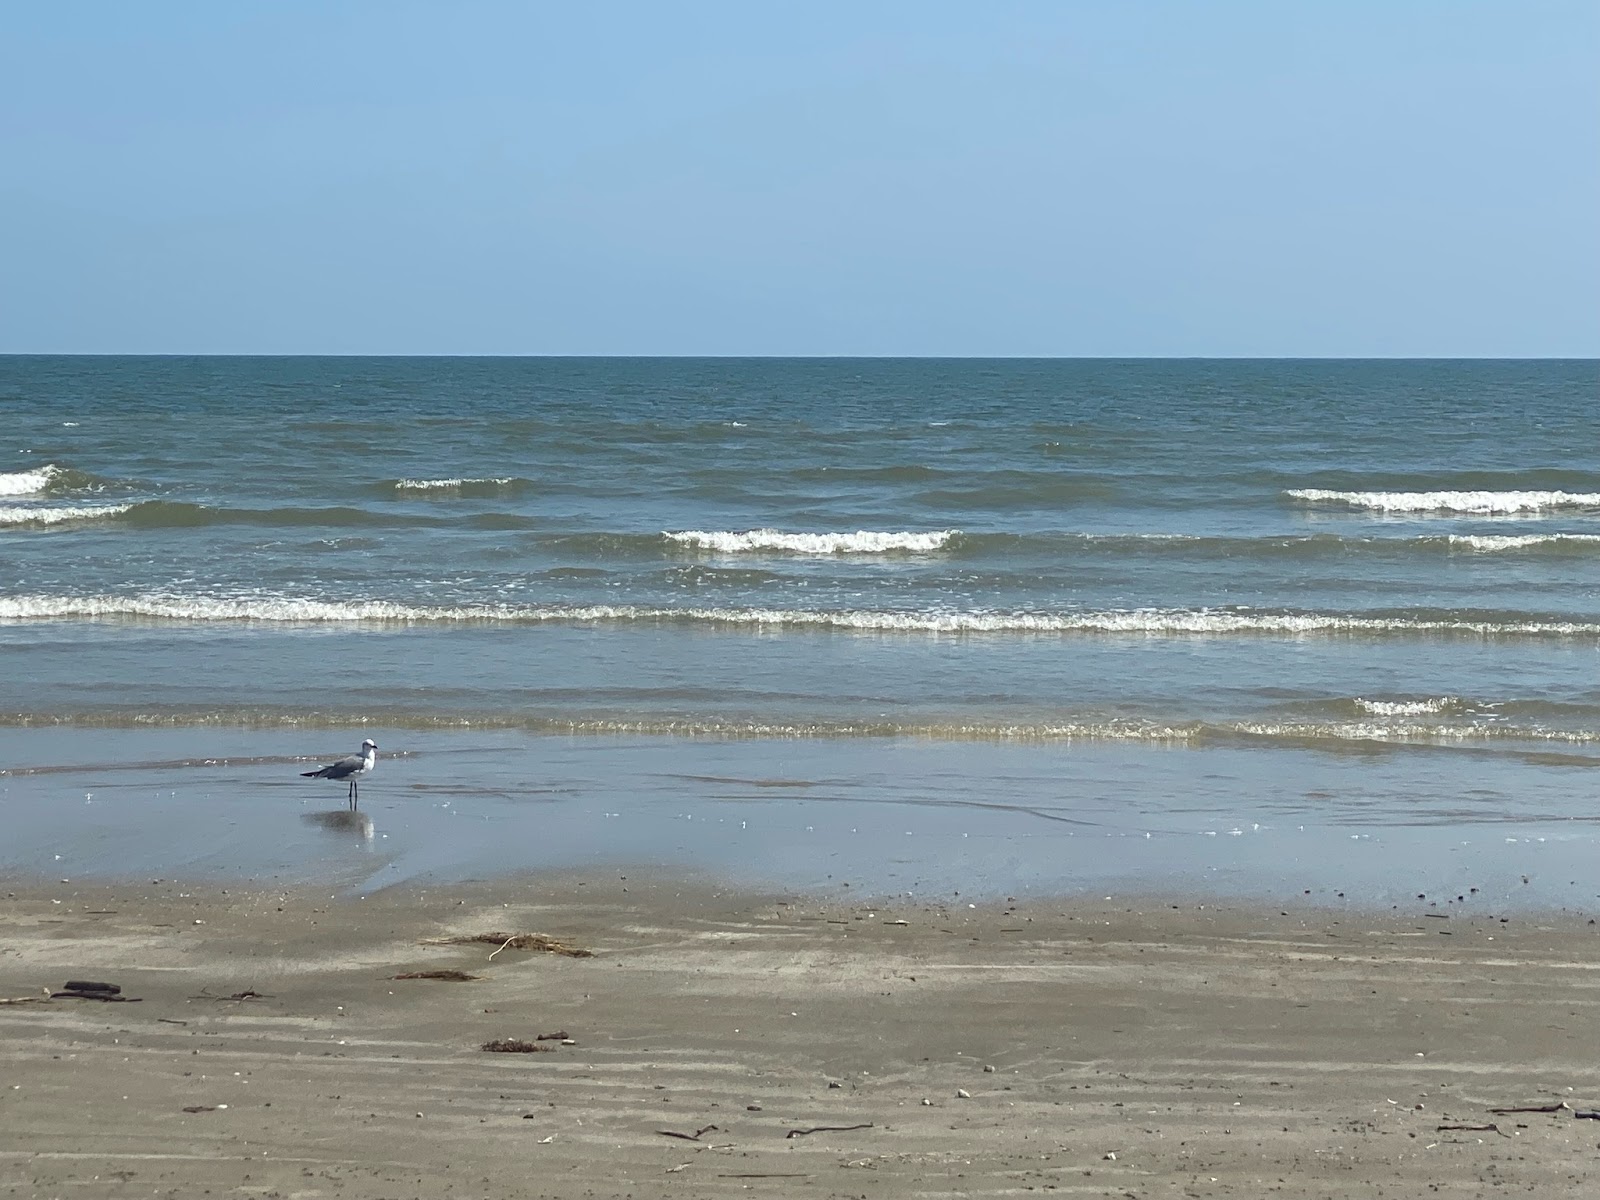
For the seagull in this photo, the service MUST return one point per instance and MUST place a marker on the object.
(351, 768)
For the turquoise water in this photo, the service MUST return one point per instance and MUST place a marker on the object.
(1391, 566)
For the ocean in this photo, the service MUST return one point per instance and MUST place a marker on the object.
(907, 623)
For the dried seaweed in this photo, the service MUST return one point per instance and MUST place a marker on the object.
(515, 1046)
(514, 941)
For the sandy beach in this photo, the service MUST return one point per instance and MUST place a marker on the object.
(717, 1043)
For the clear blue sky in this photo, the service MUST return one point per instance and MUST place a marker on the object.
(1117, 177)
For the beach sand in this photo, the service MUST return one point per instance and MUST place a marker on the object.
(729, 1044)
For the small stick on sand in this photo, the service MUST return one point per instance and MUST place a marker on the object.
(688, 1137)
(794, 1133)
(1533, 1108)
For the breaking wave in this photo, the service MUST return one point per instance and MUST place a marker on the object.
(1410, 708)
(26, 483)
(1454, 502)
(864, 541)
(1155, 622)
(1488, 543)
(48, 478)
(23, 515)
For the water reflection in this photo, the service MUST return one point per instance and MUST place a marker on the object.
(342, 821)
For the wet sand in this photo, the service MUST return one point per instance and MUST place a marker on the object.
(1143, 1048)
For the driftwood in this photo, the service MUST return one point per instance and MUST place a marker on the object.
(83, 989)
(84, 985)
(448, 976)
(515, 1046)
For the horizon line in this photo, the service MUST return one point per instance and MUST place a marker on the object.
(821, 357)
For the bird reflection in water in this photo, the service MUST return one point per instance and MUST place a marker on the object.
(342, 821)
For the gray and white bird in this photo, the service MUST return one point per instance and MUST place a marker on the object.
(351, 768)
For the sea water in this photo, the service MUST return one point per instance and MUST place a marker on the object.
(1139, 601)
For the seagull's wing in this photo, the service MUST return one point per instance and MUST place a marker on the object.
(339, 770)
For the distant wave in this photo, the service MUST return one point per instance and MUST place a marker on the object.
(1458, 502)
(1154, 622)
(864, 541)
(458, 487)
(181, 514)
(13, 515)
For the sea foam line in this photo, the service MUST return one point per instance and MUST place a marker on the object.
(1190, 733)
(27, 514)
(1357, 731)
(1462, 502)
(26, 483)
(1133, 621)
(863, 541)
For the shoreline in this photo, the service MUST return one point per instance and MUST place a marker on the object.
(228, 806)
(1138, 1046)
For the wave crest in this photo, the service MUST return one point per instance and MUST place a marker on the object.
(863, 541)
(1458, 502)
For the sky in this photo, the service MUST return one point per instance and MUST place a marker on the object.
(870, 177)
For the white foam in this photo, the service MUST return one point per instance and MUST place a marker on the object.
(38, 514)
(863, 541)
(449, 485)
(1408, 708)
(26, 483)
(1462, 502)
(1359, 731)
(1487, 543)
(1138, 621)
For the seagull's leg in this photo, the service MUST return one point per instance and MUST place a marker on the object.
(355, 796)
